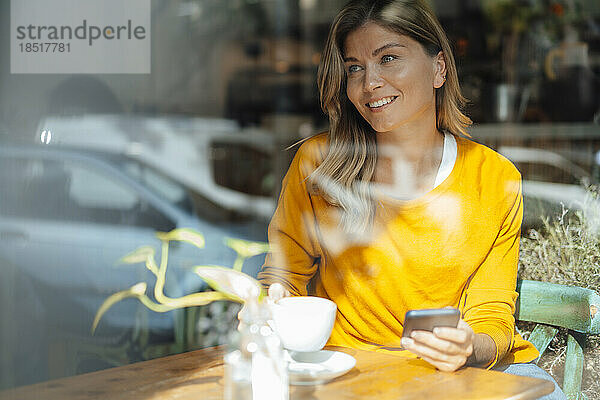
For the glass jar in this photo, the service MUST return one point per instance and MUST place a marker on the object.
(255, 366)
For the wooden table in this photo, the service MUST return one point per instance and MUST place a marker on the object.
(199, 375)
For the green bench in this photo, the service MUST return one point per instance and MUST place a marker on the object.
(551, 306)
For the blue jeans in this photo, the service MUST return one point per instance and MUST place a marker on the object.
(533, 371)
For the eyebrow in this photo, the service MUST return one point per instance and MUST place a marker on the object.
(377, 51)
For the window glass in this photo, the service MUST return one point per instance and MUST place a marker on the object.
(202, 137)
(69, 191)
(32, 188)
(90, 189)
(533, 171)
(243, 168)
(169, 189)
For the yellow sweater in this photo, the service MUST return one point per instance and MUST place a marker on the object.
(456, 246)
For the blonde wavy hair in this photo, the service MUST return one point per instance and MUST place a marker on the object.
(343, 177)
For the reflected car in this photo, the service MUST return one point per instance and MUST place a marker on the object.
(66, 219)
(550, 181)
(228, 166)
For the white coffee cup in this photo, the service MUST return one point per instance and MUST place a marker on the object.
(303, 323)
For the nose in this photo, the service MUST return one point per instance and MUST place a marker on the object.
(373, 80)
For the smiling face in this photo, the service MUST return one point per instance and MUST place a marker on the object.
(390, 79)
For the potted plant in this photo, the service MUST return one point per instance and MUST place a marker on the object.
(228, 283)
(256, 365)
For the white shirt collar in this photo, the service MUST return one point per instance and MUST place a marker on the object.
(449, 155)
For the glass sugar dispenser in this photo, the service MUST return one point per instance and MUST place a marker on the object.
(255, 366)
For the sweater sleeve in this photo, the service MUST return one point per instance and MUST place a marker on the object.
(490, 297)
(294, 255)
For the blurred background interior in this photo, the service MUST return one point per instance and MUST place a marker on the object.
(92, 165)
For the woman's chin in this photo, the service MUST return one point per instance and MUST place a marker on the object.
(379, 128)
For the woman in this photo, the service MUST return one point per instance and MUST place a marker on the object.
(393, 209)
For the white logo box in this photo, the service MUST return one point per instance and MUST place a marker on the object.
(80, 36)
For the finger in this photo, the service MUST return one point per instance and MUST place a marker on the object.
(242, 313)
(240, 317)
(442, 366)
(463, 325)
(451, 334)
(432, 341)
(439, 360)
(277, 292)
(423, 350)
(462, 334)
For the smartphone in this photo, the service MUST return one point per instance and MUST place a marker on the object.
(426, 320)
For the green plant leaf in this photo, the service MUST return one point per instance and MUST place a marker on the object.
(198, 299)
(233, 283)
(143, 254)
(245, 248)
(139, 255)
(137, 290)
(183, 235)
(228, 284)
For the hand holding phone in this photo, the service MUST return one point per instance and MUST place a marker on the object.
(452, 346)
(427, 319)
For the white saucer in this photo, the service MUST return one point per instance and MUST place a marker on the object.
(317, 367)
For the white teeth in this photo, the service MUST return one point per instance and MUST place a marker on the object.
(381, 102)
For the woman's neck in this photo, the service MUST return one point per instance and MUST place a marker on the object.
(408, 161)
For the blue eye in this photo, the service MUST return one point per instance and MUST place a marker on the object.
(387, 58)
(353, 68)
